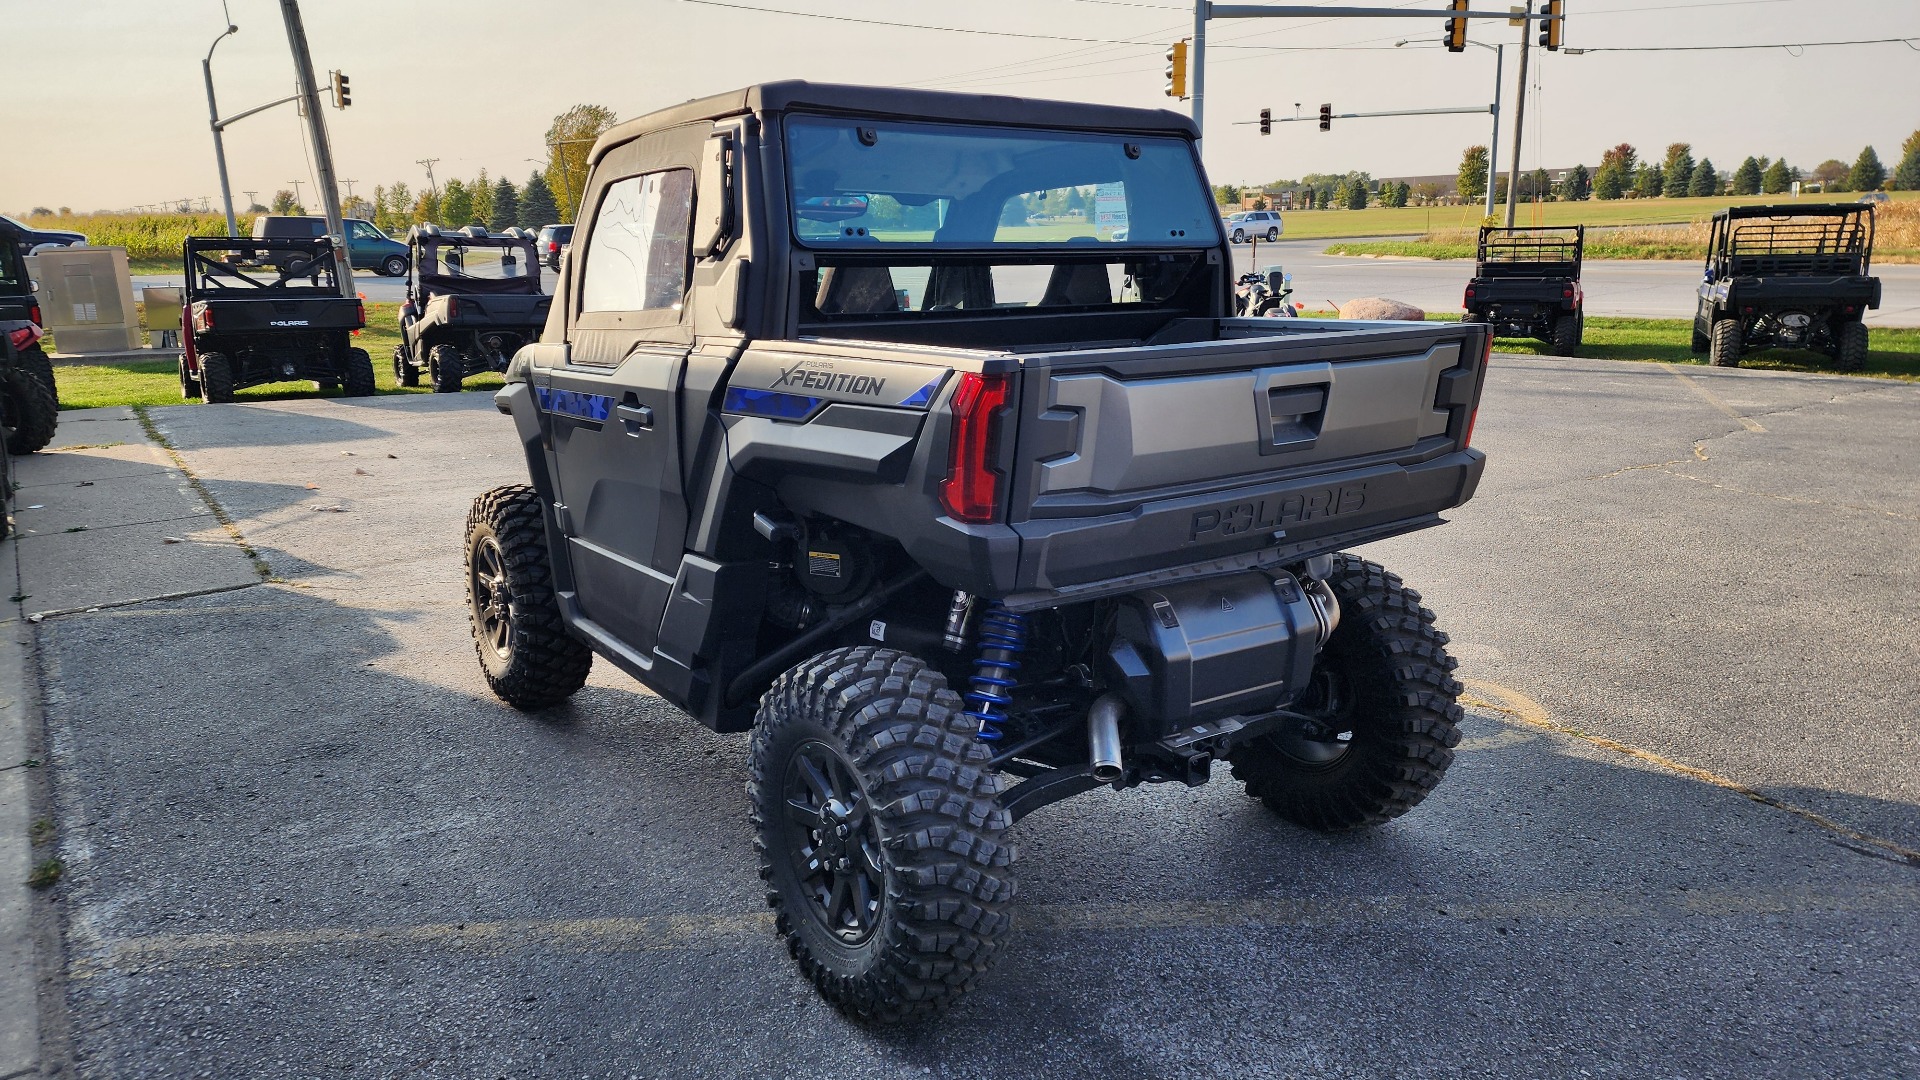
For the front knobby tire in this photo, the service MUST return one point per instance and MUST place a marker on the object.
(448, 367)
(216, 379)
(1852, 353)
(1725, 343)
(879, 833)
(1384, 691)
(404, 373)
(529, 659)
(31, 412)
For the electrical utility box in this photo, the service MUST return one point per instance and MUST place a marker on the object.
(86, 296)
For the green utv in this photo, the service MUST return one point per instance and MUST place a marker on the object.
(960, 514)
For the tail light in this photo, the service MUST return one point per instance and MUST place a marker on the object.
(1566, 291)
(360, 312)
(971, 491)
(553, 245)
(33, 315)
(453, 307)
(203, 320)
(1469, 294)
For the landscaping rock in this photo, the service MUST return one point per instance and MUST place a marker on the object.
(1375, 307)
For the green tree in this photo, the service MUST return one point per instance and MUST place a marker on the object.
(1578, 185)
(481, 190)
(1227, 195)
(1677, 170)
(283, 203)
(1832, 174)
(1539, 187)
(1356, 195)
(1868, 174)
(1777, 179)
(1648, 182)
(397, 214)
(506, 206)
(1705, 183)
(456, 204)
(570, 140)
(426, 208)
(1747, 178)
(537, 207)
(1906, 175)
(1615, 174)
(1471, 181)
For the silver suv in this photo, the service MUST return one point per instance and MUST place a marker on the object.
(1265, 224)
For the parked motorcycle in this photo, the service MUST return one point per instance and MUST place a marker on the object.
(1265, 293)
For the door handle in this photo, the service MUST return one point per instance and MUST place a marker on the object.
(635, 418)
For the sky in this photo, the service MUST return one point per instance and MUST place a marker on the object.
(107, 108)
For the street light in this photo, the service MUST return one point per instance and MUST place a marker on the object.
(213, 121)
(1493, 144)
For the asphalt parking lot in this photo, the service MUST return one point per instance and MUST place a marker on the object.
(1680, 839)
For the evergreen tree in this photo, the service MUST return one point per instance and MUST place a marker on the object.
(1401, 193)
(1868, 174)
(1616, 171)
(1747, 178)
(1471, 181)
(506, 206)
(1777, 179)
(1579, 184)
(481, 189)
(1678, 170)
(1649, 182)
(1539, 185)
(456, 205)
(1906, 176)
(1705, 182)
(537, 207)
(1356, 195)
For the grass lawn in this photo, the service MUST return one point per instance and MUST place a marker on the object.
(1384, 221)
(88, 386)
(1895, 352)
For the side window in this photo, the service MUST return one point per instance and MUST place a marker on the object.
(637, 251)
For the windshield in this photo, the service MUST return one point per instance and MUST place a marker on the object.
(868, 183)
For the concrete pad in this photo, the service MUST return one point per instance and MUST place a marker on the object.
(19, 1012)
(110, 502)
(65, 571)
(118, 452)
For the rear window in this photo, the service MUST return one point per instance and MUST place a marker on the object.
(859, 183)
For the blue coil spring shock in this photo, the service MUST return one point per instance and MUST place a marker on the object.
(1002, 637)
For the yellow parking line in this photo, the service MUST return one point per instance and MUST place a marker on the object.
(1519, 706)
(1713, 399)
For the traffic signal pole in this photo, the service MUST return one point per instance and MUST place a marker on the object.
(1197, 67)
(309, 94)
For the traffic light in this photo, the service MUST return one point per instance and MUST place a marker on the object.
(1456, 36)
(1326, 118)
(1177, 70)
(342, 93)
(1550, 29)
(1266, 121)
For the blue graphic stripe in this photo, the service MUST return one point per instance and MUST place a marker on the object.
(923, 397)
(769, 403)
(595, 407)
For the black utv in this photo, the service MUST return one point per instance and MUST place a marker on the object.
(958, 515)
(1788, 276)
(264, 311)
(20, 321)
(1526, 283)
(472, 300)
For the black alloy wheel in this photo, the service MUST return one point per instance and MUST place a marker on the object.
(834, 855)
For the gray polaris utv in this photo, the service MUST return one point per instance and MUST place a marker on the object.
(473, 299)
(962, 515)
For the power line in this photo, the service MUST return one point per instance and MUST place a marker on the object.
(905, 26)
(1909, 42)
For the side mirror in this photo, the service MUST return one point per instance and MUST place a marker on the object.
(713, 204)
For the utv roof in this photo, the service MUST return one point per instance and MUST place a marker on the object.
(1774, 210)
(900, 104)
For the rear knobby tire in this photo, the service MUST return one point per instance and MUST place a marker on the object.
(31, 413)
(1386, 678)
(35, 362)
(189, 386)
(1566, 335)
(1726, 343)
(448, 368)
(356, 380)
(529, 659)
(1852, 354)
(880, 837)
(216, 379)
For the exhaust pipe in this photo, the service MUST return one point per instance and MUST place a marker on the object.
(1103, 737)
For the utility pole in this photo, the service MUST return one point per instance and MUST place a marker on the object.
(428, 164)
(253, 200)
(1493, 143)
(213, 121)
(1519, 114)
(296, 192)
(317, 131)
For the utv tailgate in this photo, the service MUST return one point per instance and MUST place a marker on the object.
(309, 313)
(1137, 460)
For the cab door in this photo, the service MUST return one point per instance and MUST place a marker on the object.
(611, 408)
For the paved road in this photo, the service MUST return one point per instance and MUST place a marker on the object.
(302, 839)
(1636, 289)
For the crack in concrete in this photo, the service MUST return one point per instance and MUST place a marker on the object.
(220, 514)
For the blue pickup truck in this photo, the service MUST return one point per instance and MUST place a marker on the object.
(367, 247)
